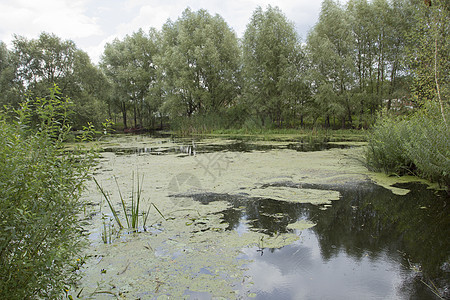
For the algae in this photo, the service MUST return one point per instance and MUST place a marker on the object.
(389, 182)
(296, 195)
(301, 225)
(192, 252)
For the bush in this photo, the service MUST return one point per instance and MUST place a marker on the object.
(419, 145)
(428, 145)
(40, 187)
(385, 151)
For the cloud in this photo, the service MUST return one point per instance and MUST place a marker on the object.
(154, 15)
(29, 18)
(92, 23)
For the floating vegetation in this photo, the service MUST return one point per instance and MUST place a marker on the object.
(231, 207)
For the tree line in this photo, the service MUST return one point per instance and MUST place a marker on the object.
(357, 59)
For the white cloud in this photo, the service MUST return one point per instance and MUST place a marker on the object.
(92, 23)
(67, 19)
(149, 16)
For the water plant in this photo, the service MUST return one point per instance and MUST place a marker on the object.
(417, 144)
(132, 219)
(107, 230)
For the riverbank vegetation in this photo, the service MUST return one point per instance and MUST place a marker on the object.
(194, 75)
(40, 189)
(419, 143)
(195, 72)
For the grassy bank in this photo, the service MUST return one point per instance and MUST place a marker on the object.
(280, 134)
(417, 145)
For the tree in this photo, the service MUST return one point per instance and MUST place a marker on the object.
(141, 50)
(89, 91)
(113, 64)
(295, 89)
(428, 54)
(330, 49)
(270, 49)
(130, 65)
(378, 31)
(200, 64)
(41, 63)
(10, 89)
(360, 14)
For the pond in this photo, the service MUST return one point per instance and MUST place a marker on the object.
(255, 219)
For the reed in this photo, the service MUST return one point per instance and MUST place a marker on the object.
(108, 200)
(132, 220)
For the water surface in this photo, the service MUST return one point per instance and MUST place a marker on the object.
(371, 244)
(231, 208)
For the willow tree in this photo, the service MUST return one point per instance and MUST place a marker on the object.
(428, 54)
(330, 49)
(130, 66)
(379, 36)
(270, 54)
(200, 64)
(41, 63)
(10, 89)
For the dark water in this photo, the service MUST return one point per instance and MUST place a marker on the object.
(371, 244)
(189, 147)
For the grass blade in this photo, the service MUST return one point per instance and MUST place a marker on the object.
(146, 215)
(116, 217)
(123, 202)
(159, 211)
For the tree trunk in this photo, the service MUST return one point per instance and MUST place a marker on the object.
(135, 117)
(124, 115)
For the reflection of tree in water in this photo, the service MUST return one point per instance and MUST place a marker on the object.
(351, 224)
(368, 221)
(264, 215)
(374, 222)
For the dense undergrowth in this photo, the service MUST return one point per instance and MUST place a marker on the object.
(40, 232)
(418, 145)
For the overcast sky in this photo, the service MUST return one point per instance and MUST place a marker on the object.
(92, 23)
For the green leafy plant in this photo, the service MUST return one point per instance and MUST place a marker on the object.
(416, 145)
(40, 189)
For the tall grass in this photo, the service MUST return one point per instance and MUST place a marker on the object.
(419, 145)
(131, 218)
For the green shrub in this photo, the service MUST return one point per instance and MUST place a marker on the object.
(40, 187)
(419, 145)
(385, 151)
(428, 145)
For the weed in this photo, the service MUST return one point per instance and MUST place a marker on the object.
(136, 199)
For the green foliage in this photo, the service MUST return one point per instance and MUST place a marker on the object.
(418, 145)
(50, 115)
(40, 233)
(200, 64)
(428, 145)
(35, 65)
(130, 66)
(428, 55)
(231, 118)
(359, 57)
(9, 87)
(272, 65)
(385, 150)
(421, 143)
